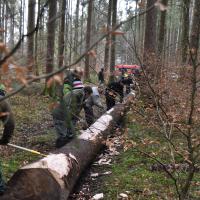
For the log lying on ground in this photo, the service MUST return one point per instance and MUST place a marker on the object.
(53, 177)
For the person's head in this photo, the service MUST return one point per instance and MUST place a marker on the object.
(102, 69)
(87, 91)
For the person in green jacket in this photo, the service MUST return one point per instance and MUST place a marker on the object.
(69, 106)
(65, 115)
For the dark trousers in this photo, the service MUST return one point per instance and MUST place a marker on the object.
(89, 115)
(110, 102)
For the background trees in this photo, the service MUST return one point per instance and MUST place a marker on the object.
(159, 32)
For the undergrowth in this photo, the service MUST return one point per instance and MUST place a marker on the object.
(132, 172)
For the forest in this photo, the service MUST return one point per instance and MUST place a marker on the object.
(99, 99)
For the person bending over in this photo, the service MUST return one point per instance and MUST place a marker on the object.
(113, 90)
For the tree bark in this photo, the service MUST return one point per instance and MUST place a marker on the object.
(150, 37)
(76, 30)
(88, 38)
(195, 30)
(31, 25)
(185, 31)
(51, 36)
(113, 38)
(12, 24)
(108, 40)
(61, 39)
(162, 29)
(53, 177)
(36, 45)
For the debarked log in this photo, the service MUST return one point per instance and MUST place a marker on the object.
(53, 177)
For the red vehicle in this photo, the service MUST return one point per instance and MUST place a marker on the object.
(130, 69)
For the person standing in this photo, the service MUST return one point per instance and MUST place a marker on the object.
(113, 90)
(127, 81)
(69, 103)
(101, 76)
(65, 114)
(92, 100)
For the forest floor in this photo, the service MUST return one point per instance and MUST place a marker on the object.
(118, 172)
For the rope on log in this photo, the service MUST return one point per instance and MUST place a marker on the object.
(53, 177)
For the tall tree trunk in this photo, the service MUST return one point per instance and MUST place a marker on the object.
(108, 41)
(76, 29)
(93, 59)
(81, 31)
(61, 39)
(177, 46)
(66, 49)
(113, 37)
(195, 30)
(1, 21)
(31, 25)
(51, 36)
(143, 23)
(161, 39)
(150, 37)
(23, 25)
(21, 18)
(162, 29)
(185, 30)
(12, 24)
(88, 38)
(36, 45)
(5, 23)
(70, 41)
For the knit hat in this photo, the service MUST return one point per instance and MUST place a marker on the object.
(77, 84)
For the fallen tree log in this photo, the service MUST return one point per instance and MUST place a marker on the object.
(53, 177)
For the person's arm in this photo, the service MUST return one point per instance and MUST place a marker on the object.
(8, 120)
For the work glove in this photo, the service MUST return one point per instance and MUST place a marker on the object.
(3, 141)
